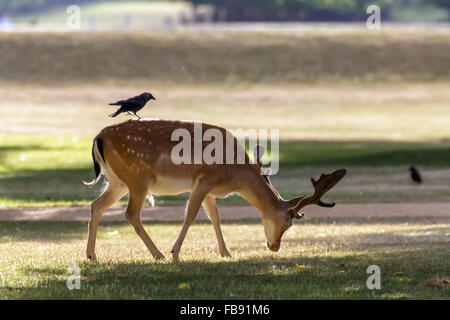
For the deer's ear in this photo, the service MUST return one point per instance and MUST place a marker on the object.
(258, 153)
(293, 202)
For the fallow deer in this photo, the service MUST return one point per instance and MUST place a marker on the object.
(136, 158)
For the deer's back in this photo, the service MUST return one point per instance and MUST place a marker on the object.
(142, 150)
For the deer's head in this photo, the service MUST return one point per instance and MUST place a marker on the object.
(276, 224)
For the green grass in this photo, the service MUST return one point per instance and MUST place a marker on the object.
(339, 99)
(46, 170)
(376, 131)
(320, 259)
(362, 154)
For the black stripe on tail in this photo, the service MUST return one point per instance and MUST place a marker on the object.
(97, 168)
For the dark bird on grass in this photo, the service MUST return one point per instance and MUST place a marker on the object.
(132, 105)
(415, 175)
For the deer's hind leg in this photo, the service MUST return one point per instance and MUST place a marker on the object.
(113, 193)
(211, 209)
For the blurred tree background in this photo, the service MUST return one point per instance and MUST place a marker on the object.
(276, 10)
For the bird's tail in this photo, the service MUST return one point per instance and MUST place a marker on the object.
(115, 114)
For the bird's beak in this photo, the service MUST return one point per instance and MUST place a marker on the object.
(153, 98)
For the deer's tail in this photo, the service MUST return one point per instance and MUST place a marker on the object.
(97, 157)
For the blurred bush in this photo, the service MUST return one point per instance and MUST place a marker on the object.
(274, 10)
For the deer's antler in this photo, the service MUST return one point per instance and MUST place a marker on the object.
(321, 186)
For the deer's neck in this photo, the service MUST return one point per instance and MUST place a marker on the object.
(256, 191)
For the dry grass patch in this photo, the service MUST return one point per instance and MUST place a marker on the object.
(401, 112)
(205, 57)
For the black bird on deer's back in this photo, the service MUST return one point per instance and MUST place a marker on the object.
(415, 175)
(132, 105)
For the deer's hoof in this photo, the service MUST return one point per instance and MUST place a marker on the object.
(160, 256)
(225, 254)
(175, 254)
(92, 257)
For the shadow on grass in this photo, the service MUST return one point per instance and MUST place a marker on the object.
(50, 185)
(64, 184)
(71, 230)
(330, 267)
(16, 148)
(60, 231)
(362, 153)
(301, 277)
(55, 231)
(53, 185)
(5, 150)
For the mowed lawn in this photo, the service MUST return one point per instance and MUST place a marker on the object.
(47, 170)
(376, 132)
(319, 259)
(372, 103)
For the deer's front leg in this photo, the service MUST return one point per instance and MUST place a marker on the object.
(195, 200)
(211, 209)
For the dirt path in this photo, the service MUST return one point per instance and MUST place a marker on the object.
(176, 213)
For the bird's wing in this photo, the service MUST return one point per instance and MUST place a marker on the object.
(131, 104)
(138, 100)
(127, 104)
(118, 103)
(134, 102)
